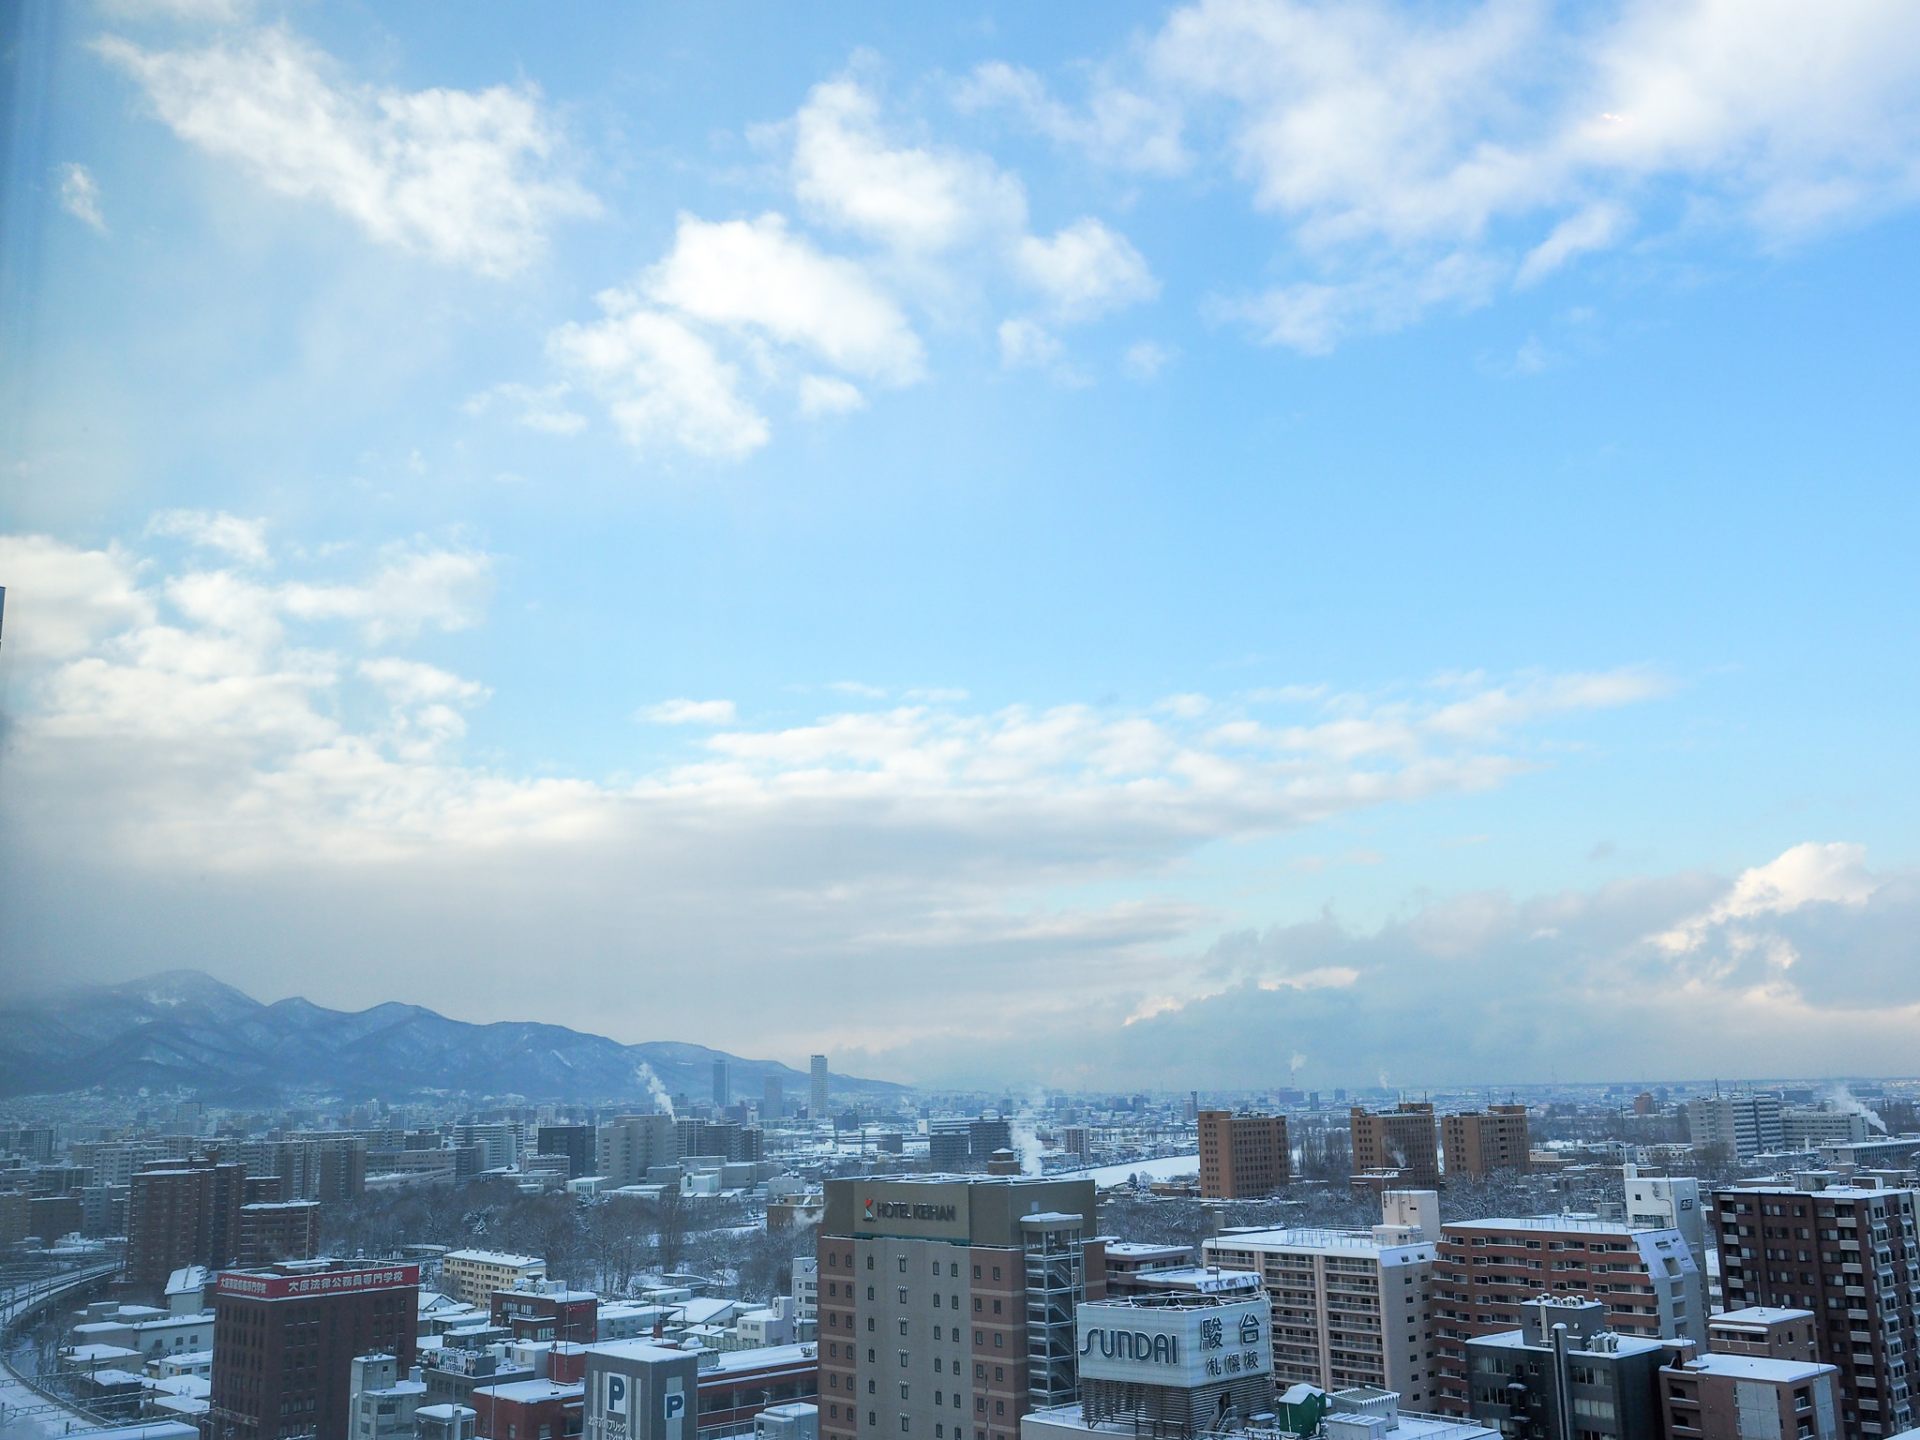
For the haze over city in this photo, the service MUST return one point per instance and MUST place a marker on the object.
(1020, 546)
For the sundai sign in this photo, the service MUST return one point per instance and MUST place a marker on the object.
(1184, 1347)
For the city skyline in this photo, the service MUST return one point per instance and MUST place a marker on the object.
(1219, 544)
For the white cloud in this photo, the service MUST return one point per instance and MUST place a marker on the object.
(80, 197)
(534, 407)
(1594, 228)
(413, 590)
(664, 385)
(1026, 343)
(1419, 160)
(829, 395)
(206, 724)
(690, 712)
(1118, 127)
(1145, 359)
(415, 682)
(1085, 270)
(61, 599)
(467, 177)
(244, 540)
(848, 172)
(755, 274)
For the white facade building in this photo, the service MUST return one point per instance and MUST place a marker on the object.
(1350, 1307)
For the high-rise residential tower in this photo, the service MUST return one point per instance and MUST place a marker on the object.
(1397, 1148)
(1243, 1157)
(1851, 1255)
(1480, 1142)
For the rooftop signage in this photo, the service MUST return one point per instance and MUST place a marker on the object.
(1184, 1347)
(244, 1283)
(913, 1211)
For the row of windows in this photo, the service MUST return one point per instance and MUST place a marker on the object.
(953, 1267)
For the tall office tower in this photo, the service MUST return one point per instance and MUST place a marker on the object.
(576, 1142)
(1743, 1126)
(947, 1306)
(773, 1100)
(722, 1085)
(1350, 1307)
(949, 1146)
(1562, 1375)
(1485, 1273)
(630, 1145)
(183, 1214)
(285, 1338)
(1850, 1255)
(817, 1093)
(1397, 1148)
(985, 1136)
(1480, 1142)
(1243, 1157)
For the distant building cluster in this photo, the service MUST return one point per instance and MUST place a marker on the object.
(1738, 1265)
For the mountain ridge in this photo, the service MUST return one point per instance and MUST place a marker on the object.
(182, 1031)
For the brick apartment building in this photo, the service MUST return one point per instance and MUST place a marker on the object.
(182, 1213)
(1486, 1273)
(279, 1230)
(1397, 1148)
(1243, 1157)
(1849, 1255)
(1480, 1142)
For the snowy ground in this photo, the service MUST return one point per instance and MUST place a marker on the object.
(1167, 1167)
(16, 1397)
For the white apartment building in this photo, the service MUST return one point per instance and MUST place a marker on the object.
(1668, 1202)
(473, 1275)
(1350, 1307)
(806, 1287)
(381, 1400)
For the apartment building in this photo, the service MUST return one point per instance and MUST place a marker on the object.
(1561, 1374)
(1349, 1307)
(1668, 1202)
(1750, 1397)
(628, 1146)
(1486, 1272)
(1850, 1255)
(1243, 1157)
(1480, 1143)
(1397, 1148)
(947, 1305)
(182, 1214)
(473, 1275)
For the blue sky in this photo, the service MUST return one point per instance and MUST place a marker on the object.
(1020, 537)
